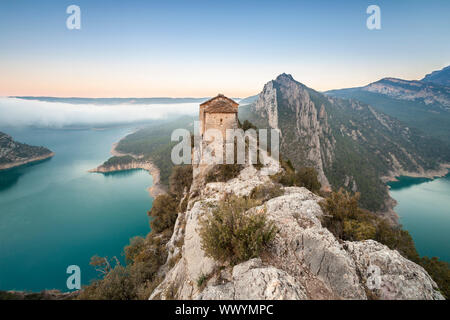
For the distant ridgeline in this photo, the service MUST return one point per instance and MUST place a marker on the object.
(423, 104)
(351, 144)
(13, 154)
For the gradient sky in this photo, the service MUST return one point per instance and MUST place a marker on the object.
(199, 48)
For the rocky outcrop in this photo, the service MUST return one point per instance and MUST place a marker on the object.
(399, 277)
(304, 261)
(13, 154)
(306, 125)
(253, 280)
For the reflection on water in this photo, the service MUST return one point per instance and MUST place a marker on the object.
(10, 177)
(120, 174)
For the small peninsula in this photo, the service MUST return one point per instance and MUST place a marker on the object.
(122, 161)
(14, 154)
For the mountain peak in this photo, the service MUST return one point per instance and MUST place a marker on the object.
(441, 77)
(285, 77)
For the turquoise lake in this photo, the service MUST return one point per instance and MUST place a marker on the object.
(424, 210)
(54, 214)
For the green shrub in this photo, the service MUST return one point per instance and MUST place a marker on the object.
(133, 249)
(307, 177)
(201, 280)
(439, 271)
(359, 230)
(164, 212)
(180, 179)
(138, 279)
(231, 234)
(287, 176)
(247, 125)
(304, 177)
(339, 208)
(266, 192)
(224, 172)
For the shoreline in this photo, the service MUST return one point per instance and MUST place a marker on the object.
(443, 170)
(23, 162)
(391, 203)
(155, 190)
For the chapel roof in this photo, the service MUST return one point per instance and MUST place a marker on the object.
(220, 104)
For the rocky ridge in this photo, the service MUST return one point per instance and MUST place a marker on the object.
(305, 261)
(429, 93)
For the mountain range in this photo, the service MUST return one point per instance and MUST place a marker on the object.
(350, 143)
(423, 104)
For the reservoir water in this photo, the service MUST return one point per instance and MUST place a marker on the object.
(424, 210)
(54, 214)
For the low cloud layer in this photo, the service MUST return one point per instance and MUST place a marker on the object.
(19, 112)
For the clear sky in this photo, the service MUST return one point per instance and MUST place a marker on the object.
(199, 48)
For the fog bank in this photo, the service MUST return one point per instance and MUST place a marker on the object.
(19, 112)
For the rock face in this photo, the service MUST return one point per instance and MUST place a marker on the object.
(400, 278)
(300, 120)
(304, 261)
(13, 154)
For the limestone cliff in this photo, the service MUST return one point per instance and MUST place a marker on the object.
(304, 261)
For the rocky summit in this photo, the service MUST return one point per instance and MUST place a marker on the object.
(304, 261)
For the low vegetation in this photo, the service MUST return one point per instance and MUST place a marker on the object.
(303, 177)
(223, 172)
(231, 234)
(180, 180)
(266, 192)
(137, 279)
(344, 218)
(163, 213)
(118, 160)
